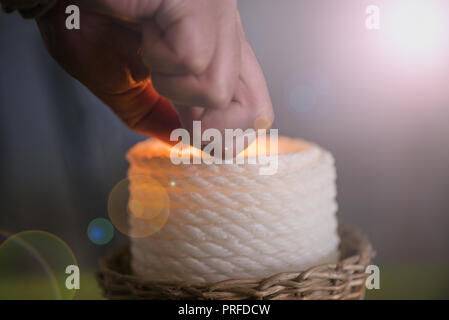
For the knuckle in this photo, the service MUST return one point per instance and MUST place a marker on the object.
(196, 64)
(218, 95)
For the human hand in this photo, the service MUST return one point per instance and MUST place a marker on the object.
(195, 50)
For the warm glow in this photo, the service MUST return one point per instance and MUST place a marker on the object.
(415, 28)
(147, 206)
(284, 146)
(259, 147)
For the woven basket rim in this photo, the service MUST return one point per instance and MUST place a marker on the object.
(344, 279)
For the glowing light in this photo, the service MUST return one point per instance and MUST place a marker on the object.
(261, 146)
(33, 265)
(415, 27)
(172, 183)
(262, 123)
(144, 212)
(100, 231)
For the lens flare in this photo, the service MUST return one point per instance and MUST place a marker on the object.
(416, 28)
(33, 265)
(100, 231)
(4, 235)
(144, 212)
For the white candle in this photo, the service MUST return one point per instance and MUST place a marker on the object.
(217, 222)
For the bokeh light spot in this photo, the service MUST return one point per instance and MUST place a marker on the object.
(100, 231)
(136, 208)
(143, 212)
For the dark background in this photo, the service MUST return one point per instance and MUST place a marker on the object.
(383, 114)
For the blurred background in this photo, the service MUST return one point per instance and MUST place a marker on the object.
(377, 99)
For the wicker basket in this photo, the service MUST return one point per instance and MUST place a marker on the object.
(344, 280)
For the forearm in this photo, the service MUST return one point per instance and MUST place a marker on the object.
(29, 9)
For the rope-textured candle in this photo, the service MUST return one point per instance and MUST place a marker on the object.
(227, 221)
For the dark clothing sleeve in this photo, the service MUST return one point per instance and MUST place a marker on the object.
(29, 9)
